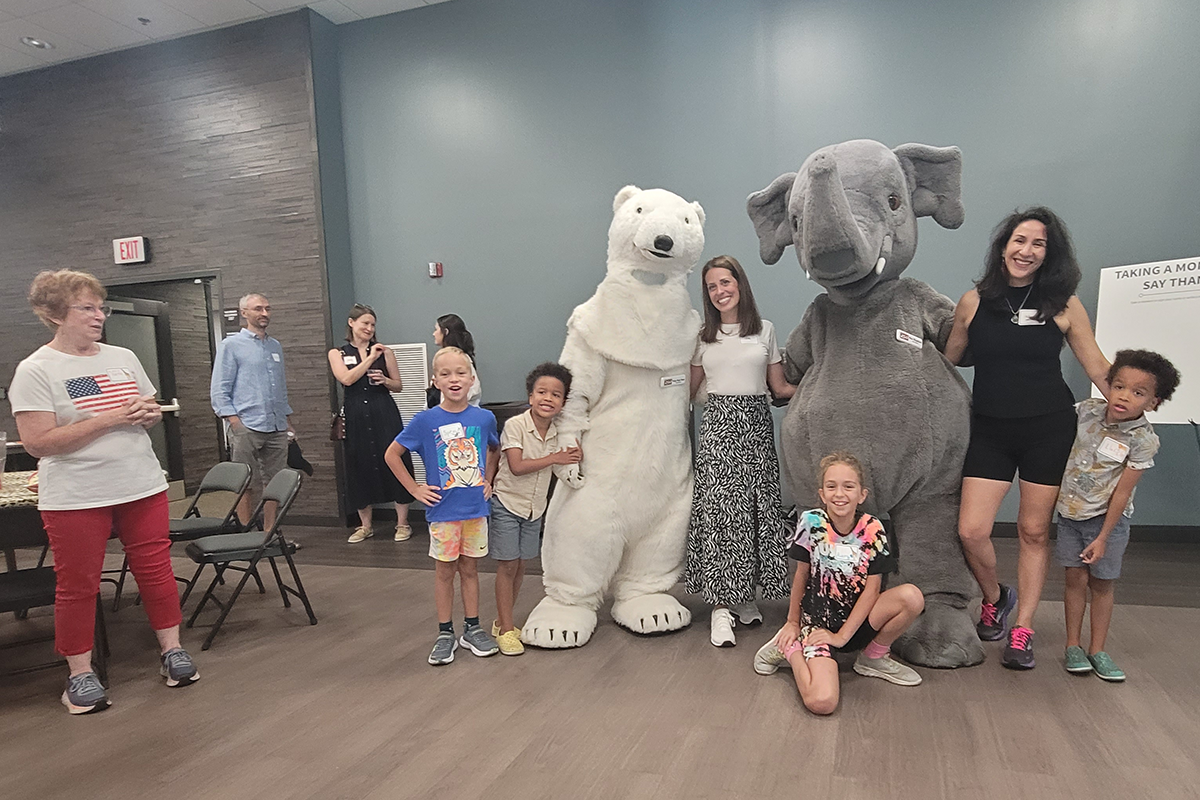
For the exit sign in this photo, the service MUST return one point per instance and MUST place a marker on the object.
(131, 250)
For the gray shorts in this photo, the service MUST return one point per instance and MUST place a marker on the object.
(264, 453)
(511, 537)
(1076, 534)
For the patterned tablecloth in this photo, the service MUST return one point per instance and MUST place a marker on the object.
(14, 494)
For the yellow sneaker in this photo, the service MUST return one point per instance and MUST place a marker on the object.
(359, 534)
(403, 533)
(495, 628)
(510, 643)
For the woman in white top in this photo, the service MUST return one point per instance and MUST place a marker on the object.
(83, 408)
(736, 540)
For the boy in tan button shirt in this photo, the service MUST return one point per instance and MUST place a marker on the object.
(530, 447)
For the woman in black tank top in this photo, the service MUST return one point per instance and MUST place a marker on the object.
(1015, 322)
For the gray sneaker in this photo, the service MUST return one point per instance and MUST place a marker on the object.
(887, 668)
(178, 668)
(769, 659)
(479, 641)
(747, 613)
(443, 649)
(84, 694)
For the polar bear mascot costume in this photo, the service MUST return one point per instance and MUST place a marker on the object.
(620, 518)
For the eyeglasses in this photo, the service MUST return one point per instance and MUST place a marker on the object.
(91, 311)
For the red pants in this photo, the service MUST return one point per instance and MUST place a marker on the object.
(78, 539)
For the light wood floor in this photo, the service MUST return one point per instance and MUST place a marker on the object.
(350, 709)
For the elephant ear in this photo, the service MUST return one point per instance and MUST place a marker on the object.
(934, 177)
(768, 210)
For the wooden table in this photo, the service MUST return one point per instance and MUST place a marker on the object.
(20, 523)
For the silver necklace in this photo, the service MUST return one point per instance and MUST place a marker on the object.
(1015, 319)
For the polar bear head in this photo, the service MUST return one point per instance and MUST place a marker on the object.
(655, 235)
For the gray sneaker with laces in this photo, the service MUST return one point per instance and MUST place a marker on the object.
(84, 694)
(479, 641)
(178, 668)
(443, 649)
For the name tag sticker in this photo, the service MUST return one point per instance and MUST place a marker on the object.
(672, 380)
(275, 356)
(349, 361)
(452, 431)
(1028, 316)
(120, 375)
(1111, 448)
(908, 338)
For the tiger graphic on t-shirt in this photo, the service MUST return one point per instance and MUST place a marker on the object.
(462, 462)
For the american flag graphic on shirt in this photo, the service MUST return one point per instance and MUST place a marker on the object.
(102, 392)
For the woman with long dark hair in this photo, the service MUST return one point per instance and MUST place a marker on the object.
(1015, 322)
(451, 331)
(369, 373)
(736, 538)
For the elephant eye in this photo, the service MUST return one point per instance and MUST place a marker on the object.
(795, 223)
(893, 201)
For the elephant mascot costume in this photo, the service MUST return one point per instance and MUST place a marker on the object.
(867, 358)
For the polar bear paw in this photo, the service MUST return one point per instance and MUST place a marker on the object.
(557, 625)
(651, 613)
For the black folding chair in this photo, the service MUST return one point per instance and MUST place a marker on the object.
(227, 476)
(22, 589)
(227, 551)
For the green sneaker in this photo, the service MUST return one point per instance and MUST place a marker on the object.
(1076, 660)
(1105, 668)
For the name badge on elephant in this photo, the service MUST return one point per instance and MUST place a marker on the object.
(667, 381)
(909, 339)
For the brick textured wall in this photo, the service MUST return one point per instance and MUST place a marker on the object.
(206, 145)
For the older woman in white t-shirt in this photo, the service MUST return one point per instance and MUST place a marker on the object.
(83, 408)
(736, 540)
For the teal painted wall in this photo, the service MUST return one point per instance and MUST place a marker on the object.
(492, 135)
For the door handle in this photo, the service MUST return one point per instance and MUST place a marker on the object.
(172, 407)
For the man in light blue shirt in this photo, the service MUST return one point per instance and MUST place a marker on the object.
(249, 392)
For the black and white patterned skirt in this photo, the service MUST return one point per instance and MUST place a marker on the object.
(736, 539)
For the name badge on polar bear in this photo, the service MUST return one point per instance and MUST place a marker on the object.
(1111, 448)
(672, 380)
(908, 338)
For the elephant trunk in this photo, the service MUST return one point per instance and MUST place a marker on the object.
(834, 249)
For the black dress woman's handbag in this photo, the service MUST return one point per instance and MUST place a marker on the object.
(337, 427)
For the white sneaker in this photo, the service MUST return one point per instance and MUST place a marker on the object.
(722, 628)
(887, 668)
(360, 533)
(747, 613)
(769, 658)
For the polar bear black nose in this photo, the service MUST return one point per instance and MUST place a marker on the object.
(663, 243)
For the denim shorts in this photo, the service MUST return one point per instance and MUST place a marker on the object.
(1076, 534)
(511, 537)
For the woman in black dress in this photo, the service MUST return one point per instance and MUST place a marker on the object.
(369, 372)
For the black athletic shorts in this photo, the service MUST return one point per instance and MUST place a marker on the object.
(1037, 448)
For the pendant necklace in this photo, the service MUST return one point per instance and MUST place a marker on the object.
(1016, 312)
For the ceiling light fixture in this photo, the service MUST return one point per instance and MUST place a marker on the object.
(40, 44)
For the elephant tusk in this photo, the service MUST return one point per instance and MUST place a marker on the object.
(807, 275)
(879, 265)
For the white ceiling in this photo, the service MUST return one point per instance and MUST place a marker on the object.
(82, 28)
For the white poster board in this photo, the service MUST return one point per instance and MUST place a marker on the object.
(1156, 306)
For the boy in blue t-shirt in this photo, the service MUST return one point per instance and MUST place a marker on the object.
(461, 451)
